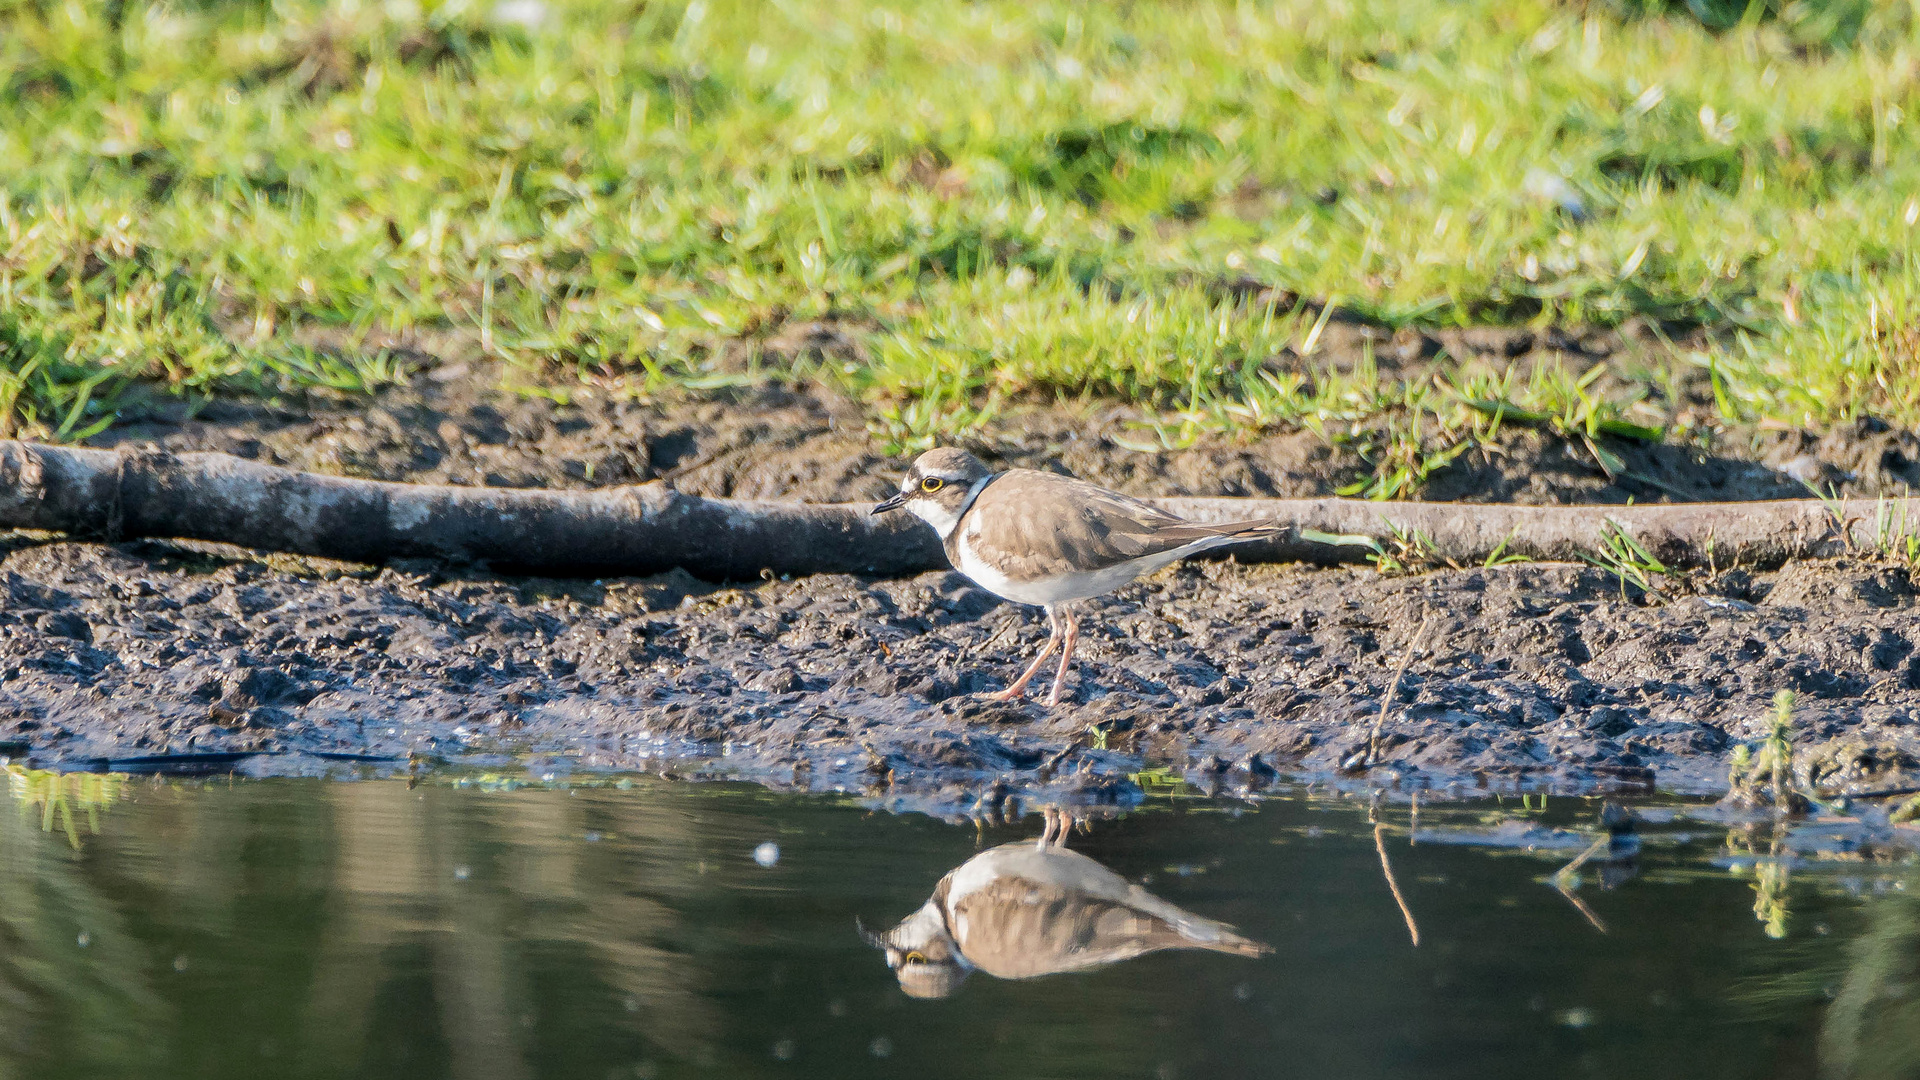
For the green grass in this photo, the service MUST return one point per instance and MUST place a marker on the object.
(1629, 561)
(995, 201)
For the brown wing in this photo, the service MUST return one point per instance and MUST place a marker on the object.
(1035, 523)
(1015, 928)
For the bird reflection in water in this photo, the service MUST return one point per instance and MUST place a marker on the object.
(1028, 909)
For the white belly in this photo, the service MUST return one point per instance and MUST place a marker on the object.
(1059, 588)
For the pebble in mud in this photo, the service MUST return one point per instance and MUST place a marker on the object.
(1230, 674)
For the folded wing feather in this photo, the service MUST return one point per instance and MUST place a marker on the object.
(1038, 523)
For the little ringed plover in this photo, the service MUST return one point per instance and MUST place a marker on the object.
(1039, 538)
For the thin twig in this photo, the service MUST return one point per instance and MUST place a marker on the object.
(1580, 906)
(696, 464)
(1563, 881)
(1048, 767)
(1386, 867)
(1393, 688)
(1583, 858)
(1882, 793)
(1007, 627)
(719, 452)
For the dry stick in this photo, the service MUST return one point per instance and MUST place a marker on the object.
(648, 528)
(1393, 688)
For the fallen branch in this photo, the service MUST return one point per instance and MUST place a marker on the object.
(1760, 535)
(650, 528)
(642, 529)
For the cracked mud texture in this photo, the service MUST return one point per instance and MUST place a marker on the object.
(161, 655)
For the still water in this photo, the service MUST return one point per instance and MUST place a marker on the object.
(303, 928)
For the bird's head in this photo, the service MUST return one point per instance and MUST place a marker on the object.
(922, 954)
(938, 487)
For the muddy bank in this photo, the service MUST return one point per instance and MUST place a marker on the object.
(773, 440)
(1227, 674)
(163, 655)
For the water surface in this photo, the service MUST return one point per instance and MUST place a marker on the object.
(297, 928)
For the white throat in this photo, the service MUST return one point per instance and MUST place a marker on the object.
(943, 520)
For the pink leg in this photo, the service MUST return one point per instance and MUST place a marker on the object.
(1020, 686)
(1066, 654)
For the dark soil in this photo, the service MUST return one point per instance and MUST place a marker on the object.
(773, 441)
(1224, 672)
(157, 655)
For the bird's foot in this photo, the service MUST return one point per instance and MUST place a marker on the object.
(1011, 693)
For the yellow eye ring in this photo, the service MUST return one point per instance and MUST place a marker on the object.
(932, 484)
(916, 958)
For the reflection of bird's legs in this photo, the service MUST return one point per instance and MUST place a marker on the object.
(1053, 642)
(1066, 826)
(1058, 824)
(1066, 654)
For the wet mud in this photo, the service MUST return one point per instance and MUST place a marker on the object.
(157, 655)
(1209, 676)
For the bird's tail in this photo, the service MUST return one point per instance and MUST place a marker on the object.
(1240, 946)
(1252, 530)
(1194, 931)
(1212, 536)
(1219, 937)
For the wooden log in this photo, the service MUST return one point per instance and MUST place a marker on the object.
(617, 530)
(650, 528)
(1762, 534)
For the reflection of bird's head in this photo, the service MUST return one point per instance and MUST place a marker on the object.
(922, 954)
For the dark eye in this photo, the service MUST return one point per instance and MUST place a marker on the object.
(914, 957)
(932, 483)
